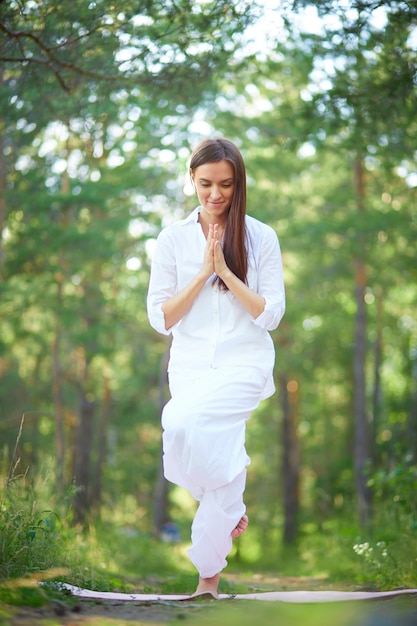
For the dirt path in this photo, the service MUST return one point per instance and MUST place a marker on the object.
(82, 612)
(89, 613)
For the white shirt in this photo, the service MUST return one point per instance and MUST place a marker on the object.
(217, 331)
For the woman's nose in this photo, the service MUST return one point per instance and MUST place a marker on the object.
(215, 192)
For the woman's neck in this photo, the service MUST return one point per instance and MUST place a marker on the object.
(205, 222)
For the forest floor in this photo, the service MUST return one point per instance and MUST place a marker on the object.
(395, 611)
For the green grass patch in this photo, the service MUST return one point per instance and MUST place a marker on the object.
(247, 613)
(38, 542)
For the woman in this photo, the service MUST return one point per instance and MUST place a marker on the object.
(217, 285)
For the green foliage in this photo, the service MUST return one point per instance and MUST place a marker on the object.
(89, 177)
(378, 564)
(21, 595)
(87, 49)
(32, 537)
(396, 488)
(36, 543)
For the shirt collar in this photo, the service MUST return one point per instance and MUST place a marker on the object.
(193, 217)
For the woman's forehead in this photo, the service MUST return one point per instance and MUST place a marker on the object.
(214, 171)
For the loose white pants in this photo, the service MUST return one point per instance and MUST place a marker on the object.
(204, 452)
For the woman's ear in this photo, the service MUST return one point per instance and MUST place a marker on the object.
(192, 181)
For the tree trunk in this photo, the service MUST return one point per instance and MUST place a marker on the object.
(101, 444)
(160, 503)
(377, 390)
(291, 458)
(56, 364)
(2, 191)
(412, 418)
(362, 440)
(57, 397)
(82, 459)
(160, 499)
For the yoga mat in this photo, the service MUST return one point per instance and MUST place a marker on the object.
(268, 596)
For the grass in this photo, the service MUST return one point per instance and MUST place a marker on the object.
(37, 542)
(381, 557)
(240, 613)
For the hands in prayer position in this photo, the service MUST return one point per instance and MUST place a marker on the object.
(214, 262)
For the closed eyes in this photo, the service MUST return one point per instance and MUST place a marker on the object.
(225, 185)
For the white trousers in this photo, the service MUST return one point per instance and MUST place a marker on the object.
(204, 452)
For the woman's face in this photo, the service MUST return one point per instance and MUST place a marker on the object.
(215, 185)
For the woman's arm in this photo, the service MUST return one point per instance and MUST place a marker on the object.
(251, 301)
(266, 307)
(177, 306)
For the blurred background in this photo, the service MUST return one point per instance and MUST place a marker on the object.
(101, 105)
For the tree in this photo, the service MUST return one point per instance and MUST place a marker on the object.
(165, 53)
(323, 167)
(372, 70)
(92, 93)
(126, 43)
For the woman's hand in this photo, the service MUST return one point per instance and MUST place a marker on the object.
(213, 262)
(250, 300)
(220, 267)
(178, 305)
(207, 269)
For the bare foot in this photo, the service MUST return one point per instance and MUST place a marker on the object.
(241, 527)
(207, 586)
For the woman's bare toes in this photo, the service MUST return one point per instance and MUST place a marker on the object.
(241, 527)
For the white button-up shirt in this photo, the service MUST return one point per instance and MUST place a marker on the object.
(217, 331)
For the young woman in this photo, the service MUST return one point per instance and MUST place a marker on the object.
(217, 285)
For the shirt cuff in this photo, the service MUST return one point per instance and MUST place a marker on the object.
(157, 320)
(271, 315)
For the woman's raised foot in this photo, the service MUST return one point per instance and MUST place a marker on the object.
(241, 527)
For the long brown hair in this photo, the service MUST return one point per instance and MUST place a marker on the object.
(234, 238)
